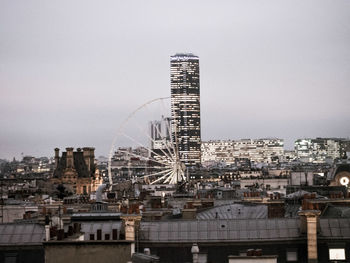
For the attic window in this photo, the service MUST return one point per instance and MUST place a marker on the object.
(292, 256)
(337, 254)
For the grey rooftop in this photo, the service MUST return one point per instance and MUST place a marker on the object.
(234, 211)
(220, 230)
(184, 56)
(21, 234)
(240, 230)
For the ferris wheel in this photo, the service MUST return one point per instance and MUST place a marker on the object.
(147, 143)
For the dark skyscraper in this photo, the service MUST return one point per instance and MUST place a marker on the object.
(185, 107)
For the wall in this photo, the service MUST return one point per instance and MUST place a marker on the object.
(261, 259)
(10, 213)
(88, 252)
(27, 254)
(220, 251)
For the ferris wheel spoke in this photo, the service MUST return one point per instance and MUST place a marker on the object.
(162, 160)
(144, 157)
(161, 178)
(158, 173)
(170, 128)
(150, 138)
(169, 177)
(118, 134)
(174, 125)
(148, 167)
(135, 141)
(172, 178)
(158, 180)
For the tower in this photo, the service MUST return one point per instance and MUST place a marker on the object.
(185, 107)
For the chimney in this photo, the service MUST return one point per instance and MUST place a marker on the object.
(57, 157)
(92, 162)
(60, 234)
(130, 224)
(70, 158)
(309, 221)
(195, 252)
(47, 228)
(89, 157)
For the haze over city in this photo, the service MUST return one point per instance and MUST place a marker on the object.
(72, 71)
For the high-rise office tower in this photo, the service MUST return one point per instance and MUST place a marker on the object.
(185, 107)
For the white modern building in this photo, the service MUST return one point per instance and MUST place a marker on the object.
(320, 150)
(256, 150)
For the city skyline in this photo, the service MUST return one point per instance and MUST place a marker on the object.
(70, 75)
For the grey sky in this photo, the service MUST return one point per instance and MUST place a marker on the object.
(71, 71)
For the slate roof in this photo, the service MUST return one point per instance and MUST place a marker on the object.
(333, 211)
(234, 211)
(96, 216)
(337, 228)
(300, 194)
(21, 234)
(241, 230)
(291, 210)
(220, 230)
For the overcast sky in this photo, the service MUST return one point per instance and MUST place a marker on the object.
(72, 70)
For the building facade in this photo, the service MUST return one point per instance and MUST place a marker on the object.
(256, 150)
(185, 107)
(76, 170)
(321, 150)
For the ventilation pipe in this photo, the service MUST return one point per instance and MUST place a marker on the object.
(99, 192)
(195, 252)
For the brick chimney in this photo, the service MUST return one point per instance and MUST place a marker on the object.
(309, 220)
(92, 158)
(57, 157)
(70, 158)
(130, 223)
(89, 157)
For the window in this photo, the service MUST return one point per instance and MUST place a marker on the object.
(10, 257)
(292, 256)
(242, 253)
(99, 234)
(336, 254)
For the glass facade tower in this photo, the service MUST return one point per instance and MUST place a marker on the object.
(185, 107)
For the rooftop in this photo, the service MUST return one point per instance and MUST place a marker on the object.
(239, 230)
(234, 211)
(183, 56)
(21, 234)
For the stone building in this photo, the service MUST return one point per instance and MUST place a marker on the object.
(76, 170)
(339, 175)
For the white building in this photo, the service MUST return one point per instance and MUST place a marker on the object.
(256, 150)
(320, 150)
